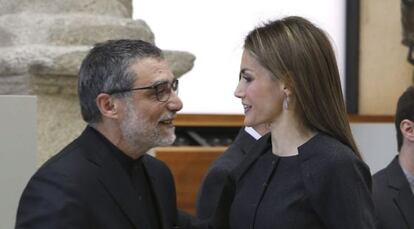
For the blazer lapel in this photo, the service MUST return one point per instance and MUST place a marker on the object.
(405, 203)
(120, 187)
(245, 141)
(161, 194)
(259, 147)
(404, 198)
(112, 176)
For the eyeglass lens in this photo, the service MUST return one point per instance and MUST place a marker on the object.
(163, 90)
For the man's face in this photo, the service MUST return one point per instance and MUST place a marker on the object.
(146, 122)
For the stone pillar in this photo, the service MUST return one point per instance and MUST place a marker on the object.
(42, 43)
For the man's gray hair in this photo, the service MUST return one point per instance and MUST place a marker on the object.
(106, 68)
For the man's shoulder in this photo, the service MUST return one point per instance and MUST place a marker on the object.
(379, 177)
(67, 155)
(77, 154)
(65, 170)
(380, 189)
(391, 171)
(69, 163)
(390, 176)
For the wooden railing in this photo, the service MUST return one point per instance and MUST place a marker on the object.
(203, 120)
(188, 166)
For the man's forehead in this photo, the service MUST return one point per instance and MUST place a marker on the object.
(150, 64)
(152, 70)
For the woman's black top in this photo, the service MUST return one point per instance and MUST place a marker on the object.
(272, 195)
(325, 186)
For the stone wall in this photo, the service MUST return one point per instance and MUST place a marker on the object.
(42, 43)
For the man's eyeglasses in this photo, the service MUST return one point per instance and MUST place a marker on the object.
(162, 90)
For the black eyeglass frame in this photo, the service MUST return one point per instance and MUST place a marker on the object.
(173, 88)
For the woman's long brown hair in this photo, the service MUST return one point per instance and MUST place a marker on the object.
(300, 54)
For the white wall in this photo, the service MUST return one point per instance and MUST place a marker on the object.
(17, 152)
(214, 30)
(377, 143)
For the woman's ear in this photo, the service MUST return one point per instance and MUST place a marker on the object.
(107, 105)
(288, 96)
(287, 91)
(286, 86)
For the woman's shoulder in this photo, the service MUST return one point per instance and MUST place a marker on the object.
(324, 154)
(326, 157)
(327, 149)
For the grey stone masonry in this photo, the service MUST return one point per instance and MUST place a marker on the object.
(68, 29)
(114, 8)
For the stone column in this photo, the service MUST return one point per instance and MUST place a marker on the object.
(42, 43)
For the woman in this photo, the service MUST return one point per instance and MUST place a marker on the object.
(308, 172)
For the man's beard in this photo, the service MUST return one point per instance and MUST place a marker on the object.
(139, 134)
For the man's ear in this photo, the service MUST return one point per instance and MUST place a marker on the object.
(107, 105)
(407, 129)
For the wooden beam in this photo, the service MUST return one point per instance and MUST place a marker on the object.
(234, 120)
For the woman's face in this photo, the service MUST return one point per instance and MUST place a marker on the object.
(260, 92)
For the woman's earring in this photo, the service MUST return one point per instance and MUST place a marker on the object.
(286, 103)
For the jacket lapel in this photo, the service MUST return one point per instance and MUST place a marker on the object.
(404, 198)
(245, 141)
(162, 196)
(112, 176)
(405, 203)
(117, 183)
(255, 151)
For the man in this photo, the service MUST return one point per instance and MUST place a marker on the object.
(104, 179)
(215, 178)
(393, 186)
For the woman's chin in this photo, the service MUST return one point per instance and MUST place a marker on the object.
(248, 122)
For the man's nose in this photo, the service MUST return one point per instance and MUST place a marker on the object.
(175, 103)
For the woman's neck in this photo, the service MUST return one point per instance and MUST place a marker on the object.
(288, 134)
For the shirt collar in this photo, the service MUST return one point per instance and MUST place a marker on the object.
(125, 161)
(410, 178)
(252, 132)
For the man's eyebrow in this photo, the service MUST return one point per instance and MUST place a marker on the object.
(158, 82)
